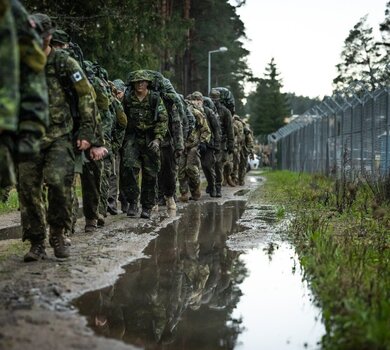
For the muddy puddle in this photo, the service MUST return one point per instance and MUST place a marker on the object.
(217, 278)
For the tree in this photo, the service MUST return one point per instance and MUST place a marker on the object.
(300, 104)
(267, 107)
(360, 59)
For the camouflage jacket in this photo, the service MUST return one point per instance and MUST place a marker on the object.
(215, 128)
(226, 122)
(201, 132)
(61, 119)
(239, 138)
(9, 70)
(119, 128)
(33, 109)
(144, 121)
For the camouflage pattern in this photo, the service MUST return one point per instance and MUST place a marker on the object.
(189, 163)
(227, 99)
(247, 150)
(239, 139)
(227, 142)
(213, 146)
(9, 94)
(91, 179)
(143, 126)
(53, 166)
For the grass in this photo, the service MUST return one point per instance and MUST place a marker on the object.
(11, 204)
(344, 250)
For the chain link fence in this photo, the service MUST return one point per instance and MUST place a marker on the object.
(341, 135)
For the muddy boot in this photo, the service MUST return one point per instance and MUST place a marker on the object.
(100, 221)
(171, 204)
(213, 192)
(37, 252)
(218, 191)
(208, 189)
(161, 201)
(57, 241)
(132, 210)
(195, 195)
(146, 213)
(230, 182)
(90, 225)
(111, 208)
(241, 183)
(184, 197)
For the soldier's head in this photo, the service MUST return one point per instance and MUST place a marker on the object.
(120, 88)
(140, 80)
(45, 27)
(197, 98)
(215, 95)
(60, 39)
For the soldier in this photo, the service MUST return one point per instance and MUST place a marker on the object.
(232, 170)
(189, 163)
(56, 160)
(213, 146)
(247, 150)
(9, 96)
(227, 139)
(147, 123)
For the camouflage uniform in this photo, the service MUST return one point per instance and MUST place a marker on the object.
(147, 123)
(189, 163)
(232, 170)
(227, 139)
(213, 147)
(56, 161)
(247, 150)
(9, 95)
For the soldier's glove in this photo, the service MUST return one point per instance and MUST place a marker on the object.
(154, 145)
(202, 148)
(28, 146)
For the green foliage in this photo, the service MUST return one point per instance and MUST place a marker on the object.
(11, 204)
(346, 257)
(267, 107)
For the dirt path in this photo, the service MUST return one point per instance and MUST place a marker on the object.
(35, 310)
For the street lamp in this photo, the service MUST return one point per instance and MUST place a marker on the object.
(221, 49)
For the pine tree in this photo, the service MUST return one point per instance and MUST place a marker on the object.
(360, 59)
(267, 107)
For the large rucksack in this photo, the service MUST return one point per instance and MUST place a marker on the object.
(227, 99)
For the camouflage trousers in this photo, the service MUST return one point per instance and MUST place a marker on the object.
(137, 157)
(54, 167)
(168, 173)
(105, 185)
(221, 166)
(236, 164)
(91, 179)
(242, 169)
(208, 165)
(113, 181)
(189, 170)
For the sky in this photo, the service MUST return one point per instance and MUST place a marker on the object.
(305, 37)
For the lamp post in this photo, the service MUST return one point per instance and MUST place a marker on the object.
(221, 49)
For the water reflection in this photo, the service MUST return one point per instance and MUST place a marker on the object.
(183, 294)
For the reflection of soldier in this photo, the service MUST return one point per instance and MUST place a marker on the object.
(147, 125)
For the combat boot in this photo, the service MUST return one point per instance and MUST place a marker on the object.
(100, 221)
(184, 197)
(146, 213)
(57, 241)
(171, 204)
(90, 225)
(218, 191)
(132, 210)
(111, 208)
(230, 182)
(195, 195)
(161, 201)
(213, 192)
(37, 252)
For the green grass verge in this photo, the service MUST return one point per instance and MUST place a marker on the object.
(345, 254)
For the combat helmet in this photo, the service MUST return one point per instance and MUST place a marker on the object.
(140, 75)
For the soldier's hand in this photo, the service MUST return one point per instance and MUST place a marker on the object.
(83, 145)
(154, 145)
(98, 153)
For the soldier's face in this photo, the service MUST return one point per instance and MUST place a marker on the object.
(141, 86)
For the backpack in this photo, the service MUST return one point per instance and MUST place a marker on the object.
(227, 99)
